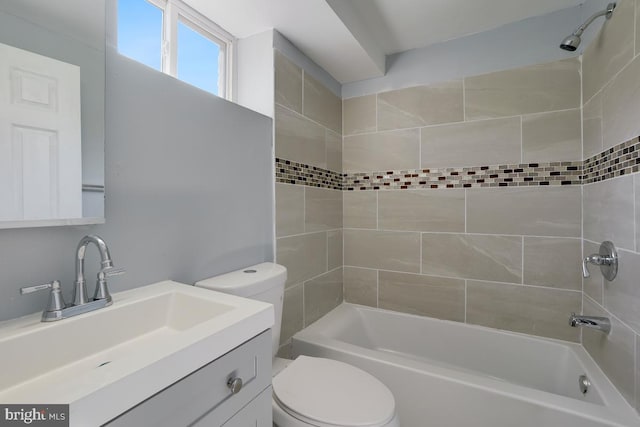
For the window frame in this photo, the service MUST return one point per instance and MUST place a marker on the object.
(174, 11)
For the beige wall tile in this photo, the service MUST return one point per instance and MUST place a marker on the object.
(530, 310)
(420, 106)
(334, 246)
(593, 285)
(323, 209)
(622, 295)
(553, 262)
(359, 115)
(321, 295)
(636, 202)
(484, 142)
(292, 320)
(299, 139)
(289, 209)
(614, 353)
(592, 137)
(321, 105)
(552, 137)
(592, 126)
(543, 211)
(388, 250)
(482, 257)
(637, 356)
(534, 89)
(360, 209)
(638, 53)
(621, 106)
(421, 210)
(427, 296)
(288, 83)
(305, 256)
(382, 151)
(334, 151)
(610, 51)
(608, 211)
(361, 286)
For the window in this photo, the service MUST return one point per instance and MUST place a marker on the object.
(169, 36)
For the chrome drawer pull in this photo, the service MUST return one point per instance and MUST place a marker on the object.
(235, 385)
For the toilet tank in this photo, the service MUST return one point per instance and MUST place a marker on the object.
(262, 282)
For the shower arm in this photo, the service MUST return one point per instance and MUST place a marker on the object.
(607, 12)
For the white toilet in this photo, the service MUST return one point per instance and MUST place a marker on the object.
(310, 391)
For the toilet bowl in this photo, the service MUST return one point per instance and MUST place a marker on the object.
(310, 391)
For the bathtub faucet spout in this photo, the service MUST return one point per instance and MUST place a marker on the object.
(594, 322)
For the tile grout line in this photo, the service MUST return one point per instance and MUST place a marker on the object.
(377, 211)
(464, 100)
(550, 288)
(378, 288)
(376, 102)
(465, 209)
(463, 233)
(466, 297)
(582, 103)
(421, 259)
(522, 262)
(521, 140)
(301, 115)
(498, 118)
(635, 225)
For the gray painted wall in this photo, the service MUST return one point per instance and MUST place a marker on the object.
(189, 192)
(531, 41)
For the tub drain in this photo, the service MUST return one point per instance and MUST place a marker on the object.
(584, 384)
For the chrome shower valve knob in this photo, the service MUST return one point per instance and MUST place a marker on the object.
(606, 258)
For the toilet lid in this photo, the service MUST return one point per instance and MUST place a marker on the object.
(333, 393)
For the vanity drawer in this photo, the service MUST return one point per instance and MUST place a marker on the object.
(258, 413)
(204, 394)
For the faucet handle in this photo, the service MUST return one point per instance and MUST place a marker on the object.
(102, 291)
(56, 302)
(30, 289)
(585, 269)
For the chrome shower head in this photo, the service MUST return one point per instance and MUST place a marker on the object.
(572, 42)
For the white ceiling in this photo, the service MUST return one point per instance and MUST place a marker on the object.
(349, 38)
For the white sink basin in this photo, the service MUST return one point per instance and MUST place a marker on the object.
(104, 362)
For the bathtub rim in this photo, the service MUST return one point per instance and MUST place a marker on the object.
(615, 408)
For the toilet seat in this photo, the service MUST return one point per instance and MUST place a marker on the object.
(326, 393)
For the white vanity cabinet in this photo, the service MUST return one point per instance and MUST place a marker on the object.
(204, 399)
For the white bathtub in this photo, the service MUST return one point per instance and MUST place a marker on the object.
(448, 374)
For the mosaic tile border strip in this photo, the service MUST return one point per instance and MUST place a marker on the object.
(529, 174)
(290, 172)
(622, 159)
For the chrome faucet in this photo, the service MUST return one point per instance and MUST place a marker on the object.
(57, 309)
(594, 322)
(106, 270)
